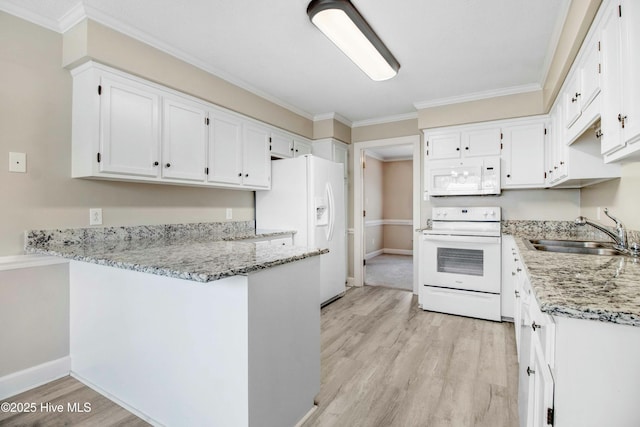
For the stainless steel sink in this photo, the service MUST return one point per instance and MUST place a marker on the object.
(573, 247)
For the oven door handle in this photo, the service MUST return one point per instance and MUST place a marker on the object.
(462, 239)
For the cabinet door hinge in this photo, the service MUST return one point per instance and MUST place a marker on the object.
(206, 171)
(427, 142)
(99, 157)
(501, 146)
(270, 139)
(99, 89)
(545, 175)
(545, 131)
(620, 10)
(599, 68)
(598, 46)
(206, 121)
(501, 136)
(550, 416)
(364, 213)
(364, 262)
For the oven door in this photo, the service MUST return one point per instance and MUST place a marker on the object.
(462, 262)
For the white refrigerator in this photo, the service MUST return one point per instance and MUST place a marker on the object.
(307, 195)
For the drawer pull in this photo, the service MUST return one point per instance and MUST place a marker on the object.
(535, 326)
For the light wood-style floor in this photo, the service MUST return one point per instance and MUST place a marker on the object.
(385, 363)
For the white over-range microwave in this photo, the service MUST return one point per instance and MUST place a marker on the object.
(463, 177)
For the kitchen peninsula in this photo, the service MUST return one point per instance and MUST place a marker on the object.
(193, 324)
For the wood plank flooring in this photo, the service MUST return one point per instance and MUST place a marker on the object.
(385, 363)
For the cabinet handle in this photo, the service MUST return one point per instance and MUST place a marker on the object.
(513, 273)
(530, 371)
(168, 165)
(621, 119)
(517, 294)
(562, 163)
(155, 163)
(535, 326)
(518, 270)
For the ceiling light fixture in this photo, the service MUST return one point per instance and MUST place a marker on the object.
(341, 22)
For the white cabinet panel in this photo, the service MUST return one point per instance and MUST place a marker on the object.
(442, 145)
(129, 137)
(481, 142)
(590, 73)
(630, 10)
(281, 145)
(256, 164)
(572, 100)
(523, 155)
(300, 148)
(225, 149)
(184, 139)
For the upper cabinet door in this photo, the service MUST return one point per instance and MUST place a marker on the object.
(443, 145)
(611, 82)
(523, 155)
(256, 156)
(281, 145)
(184, 139)
(225, 149)
(300, 148)
(481, 142)
(129, 133)
(590, 74)
(630, 11)
(572, 99)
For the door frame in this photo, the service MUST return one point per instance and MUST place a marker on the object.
(358, 202)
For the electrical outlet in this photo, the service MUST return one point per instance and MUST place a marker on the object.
(18, 162)
(95, 216)
(229, 213)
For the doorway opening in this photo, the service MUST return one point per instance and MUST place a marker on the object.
(398, 226)
(388, 223)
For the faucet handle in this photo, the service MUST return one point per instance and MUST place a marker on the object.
(618, 223)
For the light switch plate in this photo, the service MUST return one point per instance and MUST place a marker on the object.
(18, 162)
(229, 213)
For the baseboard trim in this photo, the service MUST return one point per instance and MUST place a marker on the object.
(398, 251)
(33, 377)
(351, 281)
(115, 399)
(374, 254)
(307, 416)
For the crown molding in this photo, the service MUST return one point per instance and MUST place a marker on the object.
(332, 116)
(27, 15)
(514, 90)
(386, 119)
(73, 16)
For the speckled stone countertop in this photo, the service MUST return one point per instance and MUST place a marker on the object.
(188, 251)
(593, 287)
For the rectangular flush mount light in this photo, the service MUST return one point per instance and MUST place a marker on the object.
(341, 22)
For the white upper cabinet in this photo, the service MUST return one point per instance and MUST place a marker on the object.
(184, 139)
(523, 155)
(225, 148)
(442, 145)
(300, 147)
(481, 142)
(256, 156)
(126, 128)
(281, 145)
(621, 86)
(332, 149)
(129, 118)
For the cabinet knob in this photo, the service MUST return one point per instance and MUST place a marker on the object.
(530, 371)
(535, 326)
(621, 119)
(518, 270)
(466, 148)
(508, 175)
(577, 94)
(296, 150)
(168, 165)
(457, 148)
(246, 175)
(513, 273)
(291, 148)
(517, 294)
(155, 163)
(562, 163)
(555, 167)
(240, 174)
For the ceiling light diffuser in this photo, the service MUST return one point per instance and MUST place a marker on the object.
(341, 22)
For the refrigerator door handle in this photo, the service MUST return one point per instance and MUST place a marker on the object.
(331, 208)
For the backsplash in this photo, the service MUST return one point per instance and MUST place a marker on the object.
(74, 236)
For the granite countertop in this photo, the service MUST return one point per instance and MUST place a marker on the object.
(173, 250)
(593, 287)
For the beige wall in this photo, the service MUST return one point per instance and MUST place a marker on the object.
(385, 130)
(35, 316)
(35, 118)
(95, 41)
(398, 204)
(621, 196)
(331, 128)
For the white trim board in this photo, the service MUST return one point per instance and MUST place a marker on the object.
(14, 262)
(389, 251)
(35, 376)
(377, 222)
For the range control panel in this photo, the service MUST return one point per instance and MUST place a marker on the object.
(492, 213)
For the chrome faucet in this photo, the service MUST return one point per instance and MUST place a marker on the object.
(620, 236)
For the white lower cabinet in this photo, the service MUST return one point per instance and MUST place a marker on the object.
(128, 129)
(571, 371)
